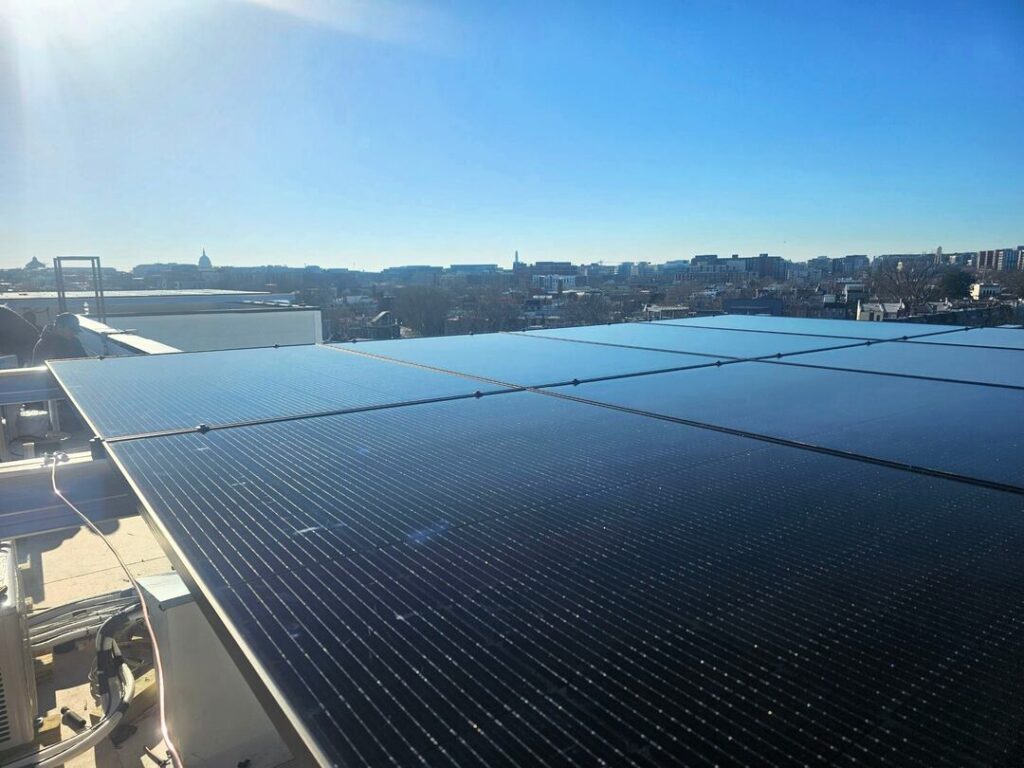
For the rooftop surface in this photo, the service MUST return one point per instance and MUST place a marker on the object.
(129, 294)
(70, 565)
(742, 541)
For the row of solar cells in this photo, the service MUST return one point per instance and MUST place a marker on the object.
(921, 402)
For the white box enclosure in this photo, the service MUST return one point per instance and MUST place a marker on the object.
(213, 717)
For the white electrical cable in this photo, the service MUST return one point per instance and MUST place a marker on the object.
(114, 709)
(157, 665)
(110, 602)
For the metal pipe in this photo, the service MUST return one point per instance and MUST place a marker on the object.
(28, 385)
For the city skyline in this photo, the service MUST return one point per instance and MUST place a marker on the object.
(505, 263)
(374, 135)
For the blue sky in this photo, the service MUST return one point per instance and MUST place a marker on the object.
(365, 134)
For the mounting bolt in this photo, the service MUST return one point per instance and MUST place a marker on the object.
(203, 428)
(478, 394)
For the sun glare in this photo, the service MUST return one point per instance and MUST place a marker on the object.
(76, 22)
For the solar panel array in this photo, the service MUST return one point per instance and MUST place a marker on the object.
(720, 541)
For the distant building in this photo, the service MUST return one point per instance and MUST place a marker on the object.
(982, 291)
(851, 265)
(768, 267)
(762, 266)
(473, 269)
(908, 259)
(168, 277)
(854, 292)
(763, 305)
(876, 311)
(412, 275)
(553, 283)
(675, 268)
(999, 259)
(204, 261)
(554, 268)
(382, 327)
(35, 264)
(662, 312)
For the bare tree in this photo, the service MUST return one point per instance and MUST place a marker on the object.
(1014, 282)
(910, 281)
(493, 310)
(423, 308)
(587, 309)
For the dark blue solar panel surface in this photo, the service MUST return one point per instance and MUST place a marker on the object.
(975, 364)
(930, 424)
(133, 395)
(525, 360)
(701, 341)
(540, 578)
(981, 337)
(799, 325)
(523, 580)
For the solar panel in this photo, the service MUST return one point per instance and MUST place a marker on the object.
(929, 424)
(1004, 367)
(526, 580)
(526, 360)
(820, 566)
(981, 337)
(133, 395)
(817, 327)
(699, 341)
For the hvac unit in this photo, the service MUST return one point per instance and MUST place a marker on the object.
(17, 674)
(213, 717)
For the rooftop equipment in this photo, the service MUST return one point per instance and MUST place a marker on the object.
(212, 714)
(17, 676)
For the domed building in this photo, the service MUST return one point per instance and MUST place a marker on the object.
(204, 261)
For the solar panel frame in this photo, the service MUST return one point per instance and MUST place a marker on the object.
(126, 396)
(712, 342)
(998, 367)
(819, 327)
(522, 360)
(996, 338)
(892, 419)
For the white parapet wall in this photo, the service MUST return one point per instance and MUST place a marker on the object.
(205, 331)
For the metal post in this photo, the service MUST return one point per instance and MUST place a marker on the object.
(101, 300)
(95, 293)
(5, 454)
(58, 274)
(53, 406)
